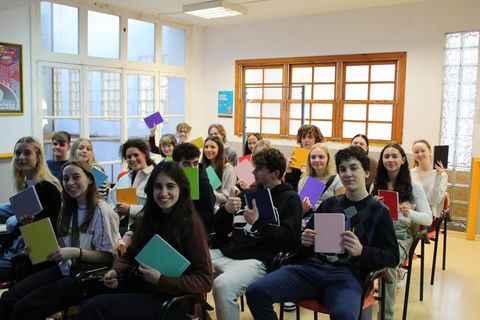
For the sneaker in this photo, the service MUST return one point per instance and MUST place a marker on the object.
(289, 306)
(401, 278)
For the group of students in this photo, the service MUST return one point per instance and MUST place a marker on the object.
(236, 258)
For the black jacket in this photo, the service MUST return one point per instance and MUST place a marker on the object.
(206, 202)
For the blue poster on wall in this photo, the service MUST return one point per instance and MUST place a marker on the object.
(225, 103)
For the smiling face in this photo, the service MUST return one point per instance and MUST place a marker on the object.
(211, 150)
(318, 160)
(421, 152)
(165, 192)
(392, 160)
(60, 150)
(251, 141)
(75, 182)
(307, 141)
(84, 151)
(25, 158)
(183, 135)
(360, 142)
(167, 149)
(136, 159)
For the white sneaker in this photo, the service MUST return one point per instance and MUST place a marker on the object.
(289, 306)
(401, 278)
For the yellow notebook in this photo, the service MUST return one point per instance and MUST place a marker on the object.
(40, 239)
(198, 142)
(301, 157)
(128, 195)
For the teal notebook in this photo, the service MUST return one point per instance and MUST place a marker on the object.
(215, 181)
(160, 255)
(99, 176)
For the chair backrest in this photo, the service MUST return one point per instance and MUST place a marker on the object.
(446, 201)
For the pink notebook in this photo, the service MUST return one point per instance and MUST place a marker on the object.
(390, 198)
(244, 170)
(329, 228)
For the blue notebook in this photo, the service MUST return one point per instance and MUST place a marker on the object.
(160, 255)
(26, 202)
(100, 177)
(263, 199)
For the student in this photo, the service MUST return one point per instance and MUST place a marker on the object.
(60, 147)
(135, 152)
(86, 235)
(433, 181)
(82, 150)
(28, 168)
(165, 145)
(393, 174)
(361, 140)
(183, 132)
(320, 166)
(335, 279)
(307, 136)
(168, 212)
(252, 139)
(217, 130)
(213, 155)
(245, 245)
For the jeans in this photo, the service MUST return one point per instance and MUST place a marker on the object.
(7, 216)
(232, 279)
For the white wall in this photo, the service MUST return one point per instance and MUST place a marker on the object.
(15, 28)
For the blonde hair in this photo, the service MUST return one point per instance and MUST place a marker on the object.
(73, 153)
(41, 172)
(260, 146)
(310, 171)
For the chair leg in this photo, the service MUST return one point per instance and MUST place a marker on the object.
(407, 289)
(444, 244)
(422, 267)
(281, 311)
(297, 312)
(382, 300)
(242, 304)
(434, 260)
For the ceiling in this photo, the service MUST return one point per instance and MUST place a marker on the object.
(257, 9)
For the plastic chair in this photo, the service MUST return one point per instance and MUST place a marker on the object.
(434, 232)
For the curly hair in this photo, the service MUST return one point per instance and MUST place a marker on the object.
(272, 159)
(140, 145)
(309, 129)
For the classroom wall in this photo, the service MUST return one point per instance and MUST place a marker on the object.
(15, 28)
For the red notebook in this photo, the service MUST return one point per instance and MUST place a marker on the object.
(390, 198)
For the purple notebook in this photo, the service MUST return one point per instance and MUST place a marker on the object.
(312, 189)
(153, 119)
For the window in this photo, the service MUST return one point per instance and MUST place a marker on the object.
(103, 35)
(172, 97)
(343, 95)
(141, 41)
(59, 25)
(173, 46)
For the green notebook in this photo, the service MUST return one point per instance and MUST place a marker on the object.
(192, 175)
(40, 239)
(215, 181)
(160, 255)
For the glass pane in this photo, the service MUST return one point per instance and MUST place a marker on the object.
(296, 110)
(357, 74)
(59, 28)
(355, 112)
(103, 35)
(141, 41)
(380, 131)
(356, 91)
(382, 91)
(297, 93)
(450, 91)
(464, 151)
(104, 128)
(112, 171)
(470, 39)
(253, 125)
(293, 127)
(451, 74)
(273, 75)
(385, 72)
(453, 40)
(137, 129)
(169, 124)
(469, 74)
(465, 127)
(302, 74)
(140, 95)
(449, 108)
(254, 93)
(270, 126)
(272, 93)
(49, 126)
(324, 92)
(253, 109)
(324, 74)
(449, 126)
(271, 110)
(467, 108)
(470, 56)
(106, 150)
(173, 46)
(452, 57)
(104, 93)
(253, 76)
(322, 111)
(380, 112)
(468, 91)
(61, 92)
(172, 95)
(325, 127)
(352, 128)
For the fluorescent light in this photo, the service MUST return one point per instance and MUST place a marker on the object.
(214, 9)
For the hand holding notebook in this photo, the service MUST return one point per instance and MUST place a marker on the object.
(26, 203)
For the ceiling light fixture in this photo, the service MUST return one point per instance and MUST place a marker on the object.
(214, 9)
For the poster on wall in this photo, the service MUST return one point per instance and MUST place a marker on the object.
(225, 104)
(11, 91)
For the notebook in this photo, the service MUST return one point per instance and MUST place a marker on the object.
(40, 239)
(215, 181)
(100, 177)
(192, 175)
(198, 142)
(160, 255)
(128, 195)
(263, 200)
(243, 171)
(26, 202)
(153, 119)
(301, 157)
(313, 189)
(245, 157)
(329, 228)
(390, 198)
(440, 153)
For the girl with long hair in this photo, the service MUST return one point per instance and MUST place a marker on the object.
(252, 139)
(217, 130)
(393, 174)
(87, 232)
(168, 212)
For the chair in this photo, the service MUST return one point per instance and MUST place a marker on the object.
(434, 232)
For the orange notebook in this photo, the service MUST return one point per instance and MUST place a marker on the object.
(301, 157)
(128, 195)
